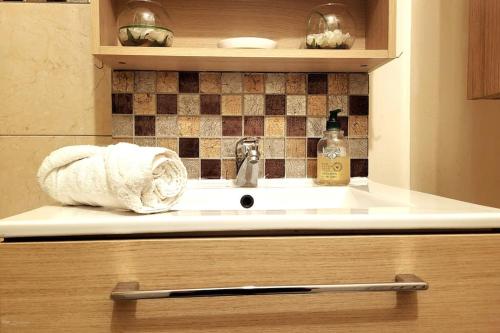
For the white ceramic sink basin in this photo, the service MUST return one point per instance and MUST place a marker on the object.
(290, 206)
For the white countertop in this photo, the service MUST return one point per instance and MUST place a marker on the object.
(293, 205)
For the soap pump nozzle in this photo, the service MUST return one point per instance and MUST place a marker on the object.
(332, 123)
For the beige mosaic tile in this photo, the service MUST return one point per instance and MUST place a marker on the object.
(295, 83)
(210, 148)
(167, 82)
(145, 142)
(210, 126)
(123, 82)
(253, 83)
(275, 83)
(339, 102)
(188, 104)
(192, 166)
(295, 148)
(228, 169)
(166, 126)
(171, 144)
(274, 126)
(358, 148)
(231, 105)
(358, 126)
(316, 127)
(123, 126)
(253, 105)
(145, 82)
(316, 105)
(295, 168)
(358, 84)
(210, 83)
(144, 104)
(296, 105)
(189, 126)
(228, 146)
(231, 83)
(338, 84)
(274, 148)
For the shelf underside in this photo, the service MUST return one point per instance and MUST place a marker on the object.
(213, 59)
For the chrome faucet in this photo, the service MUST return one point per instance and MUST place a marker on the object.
(247, 162)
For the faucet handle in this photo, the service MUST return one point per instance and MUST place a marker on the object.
(247, 147)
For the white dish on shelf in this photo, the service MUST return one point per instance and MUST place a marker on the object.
(247, 43)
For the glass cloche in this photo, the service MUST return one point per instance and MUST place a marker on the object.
(144, 23)
(330, 26)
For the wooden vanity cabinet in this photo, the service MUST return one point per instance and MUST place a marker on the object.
(65, 286)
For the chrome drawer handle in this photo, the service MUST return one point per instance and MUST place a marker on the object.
(130, 290)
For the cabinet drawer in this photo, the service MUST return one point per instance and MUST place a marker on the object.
(65, 286)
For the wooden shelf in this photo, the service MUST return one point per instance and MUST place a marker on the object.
(200, 24)
(276, 60)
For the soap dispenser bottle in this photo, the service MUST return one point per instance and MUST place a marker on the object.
(334, 165)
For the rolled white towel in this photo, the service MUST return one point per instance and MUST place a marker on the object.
(143, 179)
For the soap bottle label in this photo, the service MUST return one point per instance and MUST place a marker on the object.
(333, 166)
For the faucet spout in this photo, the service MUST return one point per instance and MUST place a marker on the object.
(247, 162)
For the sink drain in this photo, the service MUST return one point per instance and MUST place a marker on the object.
(246, 201)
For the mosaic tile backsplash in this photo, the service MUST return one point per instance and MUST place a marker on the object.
(201, 115)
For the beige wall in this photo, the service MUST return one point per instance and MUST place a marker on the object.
(455, 143)
(51, 94)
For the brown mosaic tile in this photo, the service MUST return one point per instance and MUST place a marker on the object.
(273, 148)
(358, 148)
(167, 82)
(144, 125)
(253, 126)
(296, 126)
(210, 126)
(166, 126)
(253, 83)
(188, 105)
(231, 83)
(296, 105)
(295, 83)
(210, 104)
(123, 82)
(317, 83)
(295, 168)
(122, 126)
(339, 102)
(274, 127)
(358, 126)
(145, 82)
(188, 126)
(315, 127)
(192, 166)
(338, 84)
(210, 169)
(166, 103)
(231, 126)
(189, 82)
(228, 146)
(359, 167)
(228, 169)
(275, 168)
(210, 83)
(316, 106)
(231, 105)
(189, 147)
(275, 105)
(312, 168)
(358, 84)
(145, 142)
(171, 144)
(275, 83)
(121, 104)
(358, 105)
(144, 104)
(295, 148)
(312, 147)
(253, 105)
(210, 148)
(344, 125)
